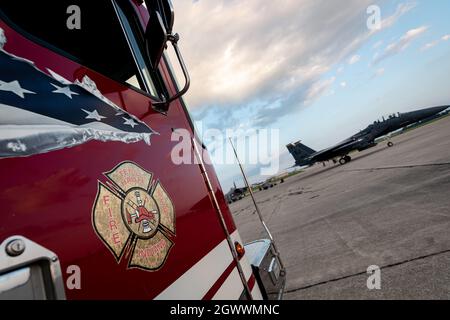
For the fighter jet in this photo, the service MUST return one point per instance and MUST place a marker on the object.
(363, 140)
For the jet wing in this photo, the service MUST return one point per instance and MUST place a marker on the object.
(334, 151)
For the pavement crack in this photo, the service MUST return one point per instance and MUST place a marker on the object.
(355, 251)
(276, 208)
(365, 272)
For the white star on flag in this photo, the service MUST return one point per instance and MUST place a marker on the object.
(94, 115)
(64, 90)
(130, 122)
(14, 87)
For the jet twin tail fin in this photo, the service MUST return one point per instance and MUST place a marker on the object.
(300, 152)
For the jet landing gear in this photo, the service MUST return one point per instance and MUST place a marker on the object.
(390, 144)
(345, 160)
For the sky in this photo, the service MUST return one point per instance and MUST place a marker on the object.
(311, 69)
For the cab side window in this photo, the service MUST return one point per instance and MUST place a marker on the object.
(100, 44)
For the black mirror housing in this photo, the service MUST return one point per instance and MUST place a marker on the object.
(165, 9)
(157, 34)
(155, 38)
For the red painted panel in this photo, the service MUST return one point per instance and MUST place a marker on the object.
(48, 198)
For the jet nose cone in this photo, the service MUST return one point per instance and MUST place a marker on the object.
(439, 109)
(435, 110)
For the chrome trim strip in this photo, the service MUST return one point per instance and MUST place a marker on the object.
(220, 213)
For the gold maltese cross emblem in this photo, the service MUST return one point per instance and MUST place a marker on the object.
(134, 217)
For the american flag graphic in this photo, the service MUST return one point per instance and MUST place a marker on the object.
(41, 113)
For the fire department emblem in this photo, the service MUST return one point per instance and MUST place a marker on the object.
(134, 217)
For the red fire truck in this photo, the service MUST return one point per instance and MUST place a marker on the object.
(92, 205)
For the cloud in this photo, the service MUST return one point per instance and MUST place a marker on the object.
(379, 72)
(354, 59)
(378, 44)
(343, 84)
(271, 52)
(319, 88)
(234, 49)
(429, 45)
(400, 45)
(435, 43)
(401, 10)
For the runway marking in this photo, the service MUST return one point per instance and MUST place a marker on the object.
(402, 167)
(365, 272)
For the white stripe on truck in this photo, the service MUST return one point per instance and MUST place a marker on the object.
(196, 282)
(231, 289)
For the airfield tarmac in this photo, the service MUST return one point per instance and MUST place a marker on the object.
(389, 207)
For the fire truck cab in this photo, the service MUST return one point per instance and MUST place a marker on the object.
(93, 207)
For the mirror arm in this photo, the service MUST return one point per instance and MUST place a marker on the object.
(174, 38)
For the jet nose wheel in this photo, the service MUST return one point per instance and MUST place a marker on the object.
(390, 144)
(345, 160)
